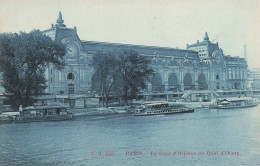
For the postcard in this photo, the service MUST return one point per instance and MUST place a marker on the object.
(128, 82)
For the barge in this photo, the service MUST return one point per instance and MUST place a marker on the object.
(43, 113)
(230, 103)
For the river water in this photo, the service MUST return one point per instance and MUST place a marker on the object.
(205, 137)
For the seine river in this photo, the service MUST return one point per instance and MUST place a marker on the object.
(205, 137)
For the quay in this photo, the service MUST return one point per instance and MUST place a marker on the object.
(198, 98)
(91, 104)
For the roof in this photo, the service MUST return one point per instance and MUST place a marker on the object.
(152, 104)
(168, 103)
(46, 107)
(236, 98)
(230, 58)
(225, 102)
(205, 42)
(141, 49)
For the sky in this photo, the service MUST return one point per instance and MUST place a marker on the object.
(166, 23)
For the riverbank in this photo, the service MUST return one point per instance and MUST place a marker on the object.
(98, 111)
(124, 110)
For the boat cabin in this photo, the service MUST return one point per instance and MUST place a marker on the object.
(235, 102)
(43, 111)
(157, 105)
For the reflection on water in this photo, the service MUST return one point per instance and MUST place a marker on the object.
(205, 137)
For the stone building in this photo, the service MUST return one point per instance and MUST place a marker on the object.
(200, 66)
(254, 78)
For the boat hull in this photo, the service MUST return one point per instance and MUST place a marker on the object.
(164, 112)
(232, 107)
(6, 119)
(43, 118)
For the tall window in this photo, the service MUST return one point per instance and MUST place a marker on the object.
(70, 76)
(71, 88)
(60, 76)
(217, 77)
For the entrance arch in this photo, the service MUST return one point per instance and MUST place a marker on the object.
(202, 82)
(95, 82)
(157, 83)
(187, 80)
(173, 82)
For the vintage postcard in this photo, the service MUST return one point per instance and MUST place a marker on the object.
(128, 82)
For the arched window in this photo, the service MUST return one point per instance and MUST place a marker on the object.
(202, 82)
(157, 83)
(70, 76)
(187, 80)
(173, 82)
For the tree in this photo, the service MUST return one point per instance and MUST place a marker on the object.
(104, 74)
(23, 61)
(134, 71)
(123, 70)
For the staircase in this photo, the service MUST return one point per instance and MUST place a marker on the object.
(187, 95)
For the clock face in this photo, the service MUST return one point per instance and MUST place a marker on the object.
(71, 48)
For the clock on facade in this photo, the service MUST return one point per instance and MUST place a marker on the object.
(72, 48)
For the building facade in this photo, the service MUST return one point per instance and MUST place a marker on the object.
(200, 66)
(254, 78)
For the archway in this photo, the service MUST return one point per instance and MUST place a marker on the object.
(187, 80)
(202, 82)
(95, 82)
(157, 83)
(173, 82)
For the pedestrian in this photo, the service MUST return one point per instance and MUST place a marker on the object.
(20, 110)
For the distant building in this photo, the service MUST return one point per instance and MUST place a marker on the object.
(201, 66)
(254, 78)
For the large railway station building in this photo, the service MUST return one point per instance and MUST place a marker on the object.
(201, 66)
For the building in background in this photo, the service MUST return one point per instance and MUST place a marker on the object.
(200, 66)
(254, 78)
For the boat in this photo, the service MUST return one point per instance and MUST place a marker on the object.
(43, 113)
(230, 103)
(8, 117)
(163, 108)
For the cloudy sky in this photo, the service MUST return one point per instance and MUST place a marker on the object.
(167, 23)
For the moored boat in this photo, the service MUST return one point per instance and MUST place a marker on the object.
(43, 113)
(230, 103)
(6, 118)
(162, 109)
